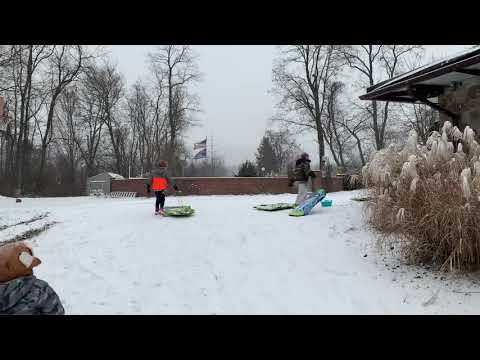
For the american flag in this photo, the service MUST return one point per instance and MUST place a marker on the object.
(200, 145)
(202, 154)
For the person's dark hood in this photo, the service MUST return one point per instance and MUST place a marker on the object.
(302, 160)
(11, 292)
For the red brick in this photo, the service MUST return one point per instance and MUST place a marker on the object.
(229, 185)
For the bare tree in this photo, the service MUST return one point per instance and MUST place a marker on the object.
(68, 121)
(138, 108)
(147, 112)
(106, 85)
(88, 131)
(175, 69)
(64, 67)
(358, 128)
(302, 76)
(374, 63)
(421, 118)
(284, 145)
(25, 97)
(336, 136)
(70, 117)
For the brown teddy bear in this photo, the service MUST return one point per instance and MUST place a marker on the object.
(20, 291)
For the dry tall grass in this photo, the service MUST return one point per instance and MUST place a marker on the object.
(428, 199)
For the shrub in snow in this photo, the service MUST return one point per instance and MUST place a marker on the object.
(352, 182)
(428, 198)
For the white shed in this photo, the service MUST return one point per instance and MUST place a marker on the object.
(100, 184)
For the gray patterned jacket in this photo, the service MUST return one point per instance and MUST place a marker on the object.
(160, 173)
(29, 296)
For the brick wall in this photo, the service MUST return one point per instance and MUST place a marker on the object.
(229, 185)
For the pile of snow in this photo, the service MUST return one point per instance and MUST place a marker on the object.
(116, 176)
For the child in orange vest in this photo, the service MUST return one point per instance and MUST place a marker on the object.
(158, 181)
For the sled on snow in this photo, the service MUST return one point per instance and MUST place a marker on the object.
(274, 207)
(307, 207)
(179, 211)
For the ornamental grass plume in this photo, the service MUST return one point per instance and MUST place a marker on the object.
(427, 198)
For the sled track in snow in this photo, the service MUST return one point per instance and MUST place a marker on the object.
(28, 234)
(25, 222)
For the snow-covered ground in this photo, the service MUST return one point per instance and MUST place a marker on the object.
(113, 256)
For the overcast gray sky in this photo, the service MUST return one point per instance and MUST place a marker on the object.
(234, 93)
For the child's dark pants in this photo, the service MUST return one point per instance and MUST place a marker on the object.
(160, 199)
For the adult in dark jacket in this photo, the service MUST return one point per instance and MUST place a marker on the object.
(302, 178)
(159, 180)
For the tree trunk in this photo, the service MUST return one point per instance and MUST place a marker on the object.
(360, 151)
(171, 120)
(337, 140)
(384, 125)
(378, 141)
(320, 132)
(26, 119)
(332, 150)
(321, 147)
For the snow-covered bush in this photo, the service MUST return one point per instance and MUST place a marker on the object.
(428, 198)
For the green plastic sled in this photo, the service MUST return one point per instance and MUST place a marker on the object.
(274, 207)
(179, 211)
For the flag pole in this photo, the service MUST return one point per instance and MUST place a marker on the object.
(211, 151)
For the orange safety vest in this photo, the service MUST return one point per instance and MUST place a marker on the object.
(159, 184)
